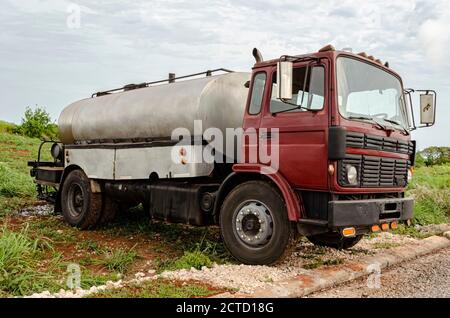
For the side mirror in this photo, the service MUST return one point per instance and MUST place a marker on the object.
(284, 80)
(427, 109)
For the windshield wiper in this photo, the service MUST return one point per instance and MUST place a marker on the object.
(404, 131)
(373, 121)
(290, 109)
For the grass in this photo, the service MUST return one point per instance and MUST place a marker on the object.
(196, 259)
(30, 261)
(117, 260)
(316, 262)
(410, 231)
(14, 183)
(89, 279)
(385, 245)
(52, 229)
(89, 245)
(193, 246)
(22, 263)
(430, 188)
(17, 189)
(5, 126)
(159, 288)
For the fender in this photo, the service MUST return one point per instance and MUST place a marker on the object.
(293, 202)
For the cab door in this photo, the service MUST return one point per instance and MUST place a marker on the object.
(252, 117)
(302, 123)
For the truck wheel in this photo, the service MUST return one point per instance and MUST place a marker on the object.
(254, 224)
(80, 207)
(334, 240)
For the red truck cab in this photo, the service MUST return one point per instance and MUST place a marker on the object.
(345, 149)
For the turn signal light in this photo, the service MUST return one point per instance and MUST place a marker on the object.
(394, 225)
(375, 228)
(330, 169)
(385, 226)
(349, 232)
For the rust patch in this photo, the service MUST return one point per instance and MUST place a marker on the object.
(357, 267)
(305, 280)
(331, 271)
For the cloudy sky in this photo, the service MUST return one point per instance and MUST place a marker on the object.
(47, 58)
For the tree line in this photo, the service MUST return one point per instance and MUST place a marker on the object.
(433, 156)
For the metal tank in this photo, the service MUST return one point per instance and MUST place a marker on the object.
(154, 112)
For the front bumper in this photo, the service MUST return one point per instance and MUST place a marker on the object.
(363, 213)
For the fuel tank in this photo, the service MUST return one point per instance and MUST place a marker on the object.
(155, 111)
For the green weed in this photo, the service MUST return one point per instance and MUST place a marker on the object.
(158, 289)
(117, 260)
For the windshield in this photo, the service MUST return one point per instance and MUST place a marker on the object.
(367, 92)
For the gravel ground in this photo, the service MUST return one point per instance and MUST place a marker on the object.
(79, 293)
(246, 279)
(427, 276)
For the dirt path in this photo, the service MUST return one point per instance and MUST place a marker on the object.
(427, 276)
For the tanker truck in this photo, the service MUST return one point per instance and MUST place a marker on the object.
(322, 149)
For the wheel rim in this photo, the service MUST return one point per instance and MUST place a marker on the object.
(76, 200)
(253, 223)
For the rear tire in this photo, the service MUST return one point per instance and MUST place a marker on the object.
(254, 224)
(80, 207)
(334, 240)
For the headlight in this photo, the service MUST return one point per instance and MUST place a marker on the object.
(352, 174)
(410, 174)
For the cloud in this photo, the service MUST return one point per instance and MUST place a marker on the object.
(42, 61)
(434, 36)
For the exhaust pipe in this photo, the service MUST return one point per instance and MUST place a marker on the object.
(257, 55)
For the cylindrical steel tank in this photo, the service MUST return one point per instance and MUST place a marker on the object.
(155, 111)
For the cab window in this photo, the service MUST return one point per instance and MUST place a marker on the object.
(259, 82)
(308, 90)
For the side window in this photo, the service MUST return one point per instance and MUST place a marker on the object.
(309, 92)
(259, 82)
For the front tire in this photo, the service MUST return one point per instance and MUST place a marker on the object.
(334, 240)
(254, 224)
(80, 207)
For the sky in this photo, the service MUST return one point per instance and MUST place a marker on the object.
(54, 52)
